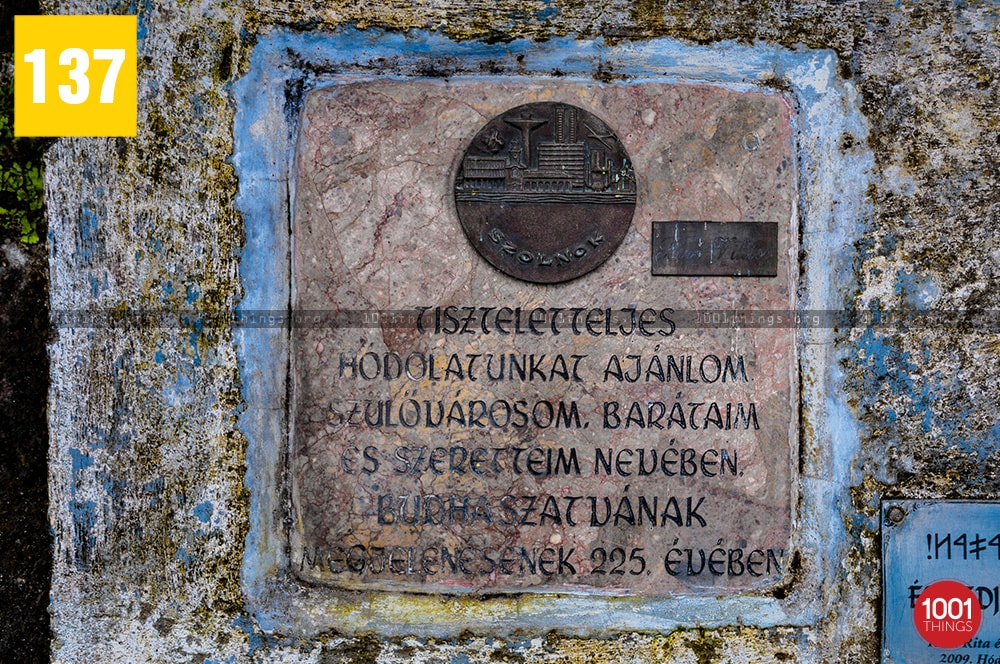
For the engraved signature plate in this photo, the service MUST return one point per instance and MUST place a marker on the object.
(926, 541)
(545, 192)
(711, 248)
(456, 427)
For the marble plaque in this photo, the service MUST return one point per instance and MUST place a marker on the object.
(456, 429)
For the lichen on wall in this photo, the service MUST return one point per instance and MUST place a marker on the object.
(149, 507)
(146, 468)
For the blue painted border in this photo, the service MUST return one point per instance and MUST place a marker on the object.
(832, 215)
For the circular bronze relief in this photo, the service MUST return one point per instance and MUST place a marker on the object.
(545, 192)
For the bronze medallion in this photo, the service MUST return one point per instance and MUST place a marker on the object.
(545, 192)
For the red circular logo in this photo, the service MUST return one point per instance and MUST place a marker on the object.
(947, 614)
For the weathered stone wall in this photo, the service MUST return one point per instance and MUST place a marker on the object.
(147, 469)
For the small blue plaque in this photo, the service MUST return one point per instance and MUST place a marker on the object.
(925, 541)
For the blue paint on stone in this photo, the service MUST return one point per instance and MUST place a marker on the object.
(203, 511)
(893, 370)
(981, 446)
(916, 291)
(991, 442)
(518, 643)
(887, 364)
(183, 556)
(84, 515)
(141, 11)
(889, 368)
(548, 12)
(88, 241)
(79, 462)
(155, 490)
(115, 489)
(193, 341)
(155, 245)
(182, 384)
(256, 640)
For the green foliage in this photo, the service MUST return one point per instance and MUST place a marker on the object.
(22, 208)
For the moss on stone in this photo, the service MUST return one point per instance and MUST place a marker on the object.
(364, 649)
(22, 208)
(705, 647)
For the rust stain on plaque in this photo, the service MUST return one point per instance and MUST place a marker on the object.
(468, 431)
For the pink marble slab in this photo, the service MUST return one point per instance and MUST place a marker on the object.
(642, 452)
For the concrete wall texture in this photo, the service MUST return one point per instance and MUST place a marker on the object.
(164, 491)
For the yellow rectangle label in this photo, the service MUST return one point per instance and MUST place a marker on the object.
(75, 75)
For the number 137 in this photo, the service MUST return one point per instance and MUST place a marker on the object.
(77, 91)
